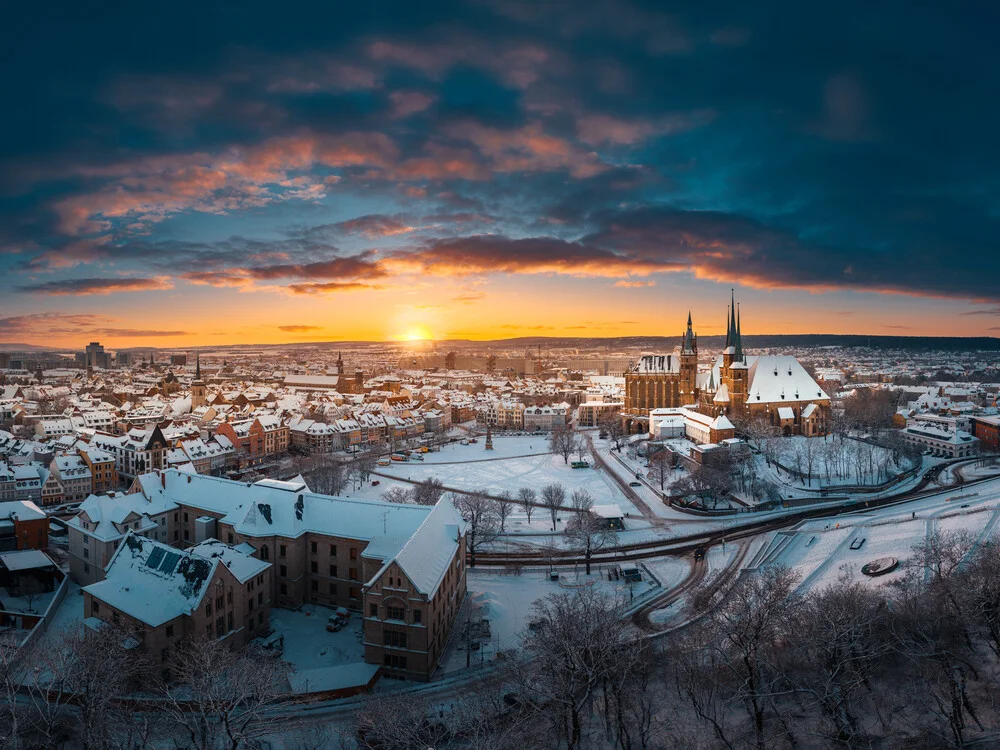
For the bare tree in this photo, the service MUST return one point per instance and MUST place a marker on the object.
(504, 506)
(572, 652)
(428, 492)
(527, 497)
(581, 500)
(398, 495)
(386, 723)
(98, 667)
(589, 533)
(326, 475)
(610, 423)
(661, 464)
(553, 497)
(563, 441)
(746, 626)
(479, 511)
(228, 694)
(364, 464)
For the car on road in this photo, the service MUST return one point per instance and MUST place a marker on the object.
(635, 484)
(699, 554)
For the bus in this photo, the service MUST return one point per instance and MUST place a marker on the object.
(399, 457)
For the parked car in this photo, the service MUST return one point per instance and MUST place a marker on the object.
(635, 484)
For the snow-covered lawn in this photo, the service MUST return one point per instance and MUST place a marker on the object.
(830, 462)
(507, 602)
(510, 474)
(309, 646)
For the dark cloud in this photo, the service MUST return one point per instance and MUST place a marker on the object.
(299, 329)
(774, 144)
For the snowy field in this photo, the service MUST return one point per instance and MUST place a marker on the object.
(516, 462)
(830, 462)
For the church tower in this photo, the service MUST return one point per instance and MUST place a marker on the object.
(739, 373)
(198, 390)
(689, 365)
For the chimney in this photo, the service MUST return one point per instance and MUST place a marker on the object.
(163, 480)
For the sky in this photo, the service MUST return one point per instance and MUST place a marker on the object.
(181, 174)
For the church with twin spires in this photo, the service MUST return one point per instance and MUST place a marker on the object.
(741, 387)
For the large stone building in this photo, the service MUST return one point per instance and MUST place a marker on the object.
(402, 566)
(772, 388)
(741, 387)
(162, 596)
(661, 381)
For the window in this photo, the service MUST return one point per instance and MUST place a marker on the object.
(263, 553)
(313, 547)
(86, 554)
(251, 604)
(395, 661)
(260, 618)
(176, 517)
(283, 571)
(95, 606)
(170, 631)
(220, 626)
(333, 571)
(354, 574)
(284, 589)
(86, 540)
(333, 589)
(333, 550)
(229, 536)
(260, 598)
(394, 638)
(352, 592)
(314, 585)
(314, 566)
(354, 553)
(229, 596)
(281, 551)
(395, 613)
(416, 617)
(229, 618)
(219, 602)
(208, 608)
(373, 610)
(185, 518)
(86, 567)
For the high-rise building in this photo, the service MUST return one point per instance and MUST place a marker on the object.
(123, 359)
(95, 355)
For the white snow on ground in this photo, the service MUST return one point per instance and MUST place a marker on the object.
(506, 601)
(503, 447)
(309, 646)
(834, 462)
(510, 474)
(820, 551)
(670, 571)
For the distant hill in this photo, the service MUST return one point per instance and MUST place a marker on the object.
(25, 348)
(804, 341)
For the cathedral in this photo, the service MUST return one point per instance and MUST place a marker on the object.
(741, 387)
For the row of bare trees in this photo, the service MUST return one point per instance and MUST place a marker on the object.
(914, 663)
(93, 689)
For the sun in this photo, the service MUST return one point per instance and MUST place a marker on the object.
(417, 333)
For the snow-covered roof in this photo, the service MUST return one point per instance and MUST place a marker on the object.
(25, 559)
(153, 582)
(240, 562)
(656, 364)
(428, 552)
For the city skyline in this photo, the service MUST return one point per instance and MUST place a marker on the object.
(497, 169)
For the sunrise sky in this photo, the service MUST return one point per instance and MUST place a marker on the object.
(204, 174)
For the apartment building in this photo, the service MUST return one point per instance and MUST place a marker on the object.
(95, 534)
(137, 452)
(74, 475)
(104, 476)
(23, 525)
(546, 418)
(161, 595)
(313, 437)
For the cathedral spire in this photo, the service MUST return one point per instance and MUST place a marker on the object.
(688, 337)
(197, 366)
(740, 357)
(729, 330)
